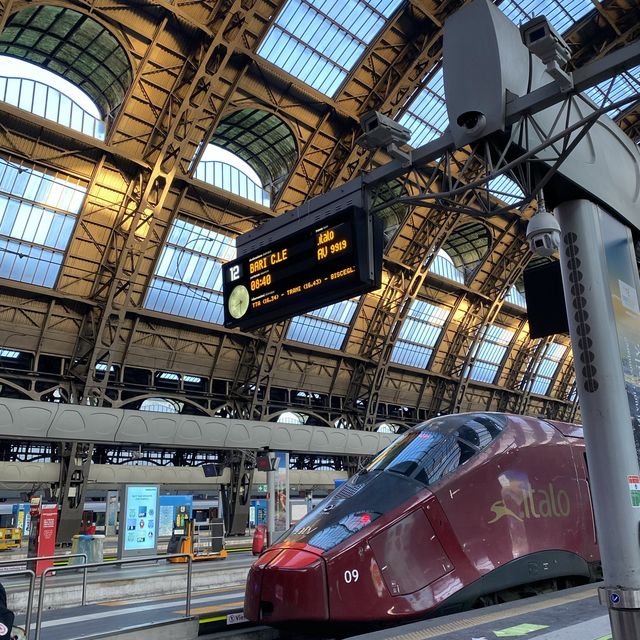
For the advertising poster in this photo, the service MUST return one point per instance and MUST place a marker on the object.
(111, 513)
(282, 492)
(624, 286)
(165, 527)
(138, 520)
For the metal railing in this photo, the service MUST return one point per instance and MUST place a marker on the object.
(32, 578)
(49, 103)
(112, 563)
(32, 585)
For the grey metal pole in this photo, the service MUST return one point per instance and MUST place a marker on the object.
(608, 431)
(271, 503)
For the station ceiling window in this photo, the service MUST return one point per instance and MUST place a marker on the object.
(75, 47)
(547, 367)
(489, 352)
(325, 327)
(187, 280)
(560, 13)
(427, 117)
(320, 42)
(38, 213)
(608, 92)
(419, 334)
(443, 265)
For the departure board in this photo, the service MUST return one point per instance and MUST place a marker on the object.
(317, 265)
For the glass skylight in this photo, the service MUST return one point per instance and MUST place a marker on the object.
(560, 13)
(325, 327)
(488, 353)
(419, 333)
(516, 298)
(546, 370)
(624, 85)
(506, 189)
(427, 115)
(319, 42)
(188, 276)
(45, 94)
(37, 215)
(442, 265)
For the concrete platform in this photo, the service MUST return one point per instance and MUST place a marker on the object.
(573, 614)
(153, 579)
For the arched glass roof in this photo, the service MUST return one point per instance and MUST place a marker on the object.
(467, 245)
(320, 42)
(263, 141)
(48, 95)
(74, 46)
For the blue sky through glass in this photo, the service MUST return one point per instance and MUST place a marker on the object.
(419, 333)
(325, 327)
(320, 42)
(38, 213)
(188, 277)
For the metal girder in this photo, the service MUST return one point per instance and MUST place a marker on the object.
(391, 311)
(169, 149)
(503, 274)
(69, 492)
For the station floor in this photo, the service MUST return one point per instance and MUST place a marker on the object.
(574, 614)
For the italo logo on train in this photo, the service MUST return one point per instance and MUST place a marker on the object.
(533, 503)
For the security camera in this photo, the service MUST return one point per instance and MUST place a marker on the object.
(545, 42)
(543, 234)
(380, 131)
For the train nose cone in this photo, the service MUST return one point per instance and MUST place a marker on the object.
(287, 585)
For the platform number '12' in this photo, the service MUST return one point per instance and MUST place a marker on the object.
(351, 575)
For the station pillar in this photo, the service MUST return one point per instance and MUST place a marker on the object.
(602, 310)
(271, 498)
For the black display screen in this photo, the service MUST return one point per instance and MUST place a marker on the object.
(317, 265)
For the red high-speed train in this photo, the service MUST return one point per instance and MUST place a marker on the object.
(462, 510)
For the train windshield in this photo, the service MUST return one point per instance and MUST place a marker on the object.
(439, 446)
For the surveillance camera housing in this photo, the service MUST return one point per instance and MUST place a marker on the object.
(380, 131)
(543, 234)
(539, 36)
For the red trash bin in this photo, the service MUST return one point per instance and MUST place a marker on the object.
(259, 540)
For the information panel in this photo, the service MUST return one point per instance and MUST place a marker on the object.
(138, 520)
(317, 265)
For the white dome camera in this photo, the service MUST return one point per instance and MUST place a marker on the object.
(543, 234)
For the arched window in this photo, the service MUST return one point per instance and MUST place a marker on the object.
(73, 69)
(443, 266)
(265, 146)
(161, 405)
(467, 246)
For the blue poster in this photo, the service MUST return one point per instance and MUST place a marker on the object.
(141, 518)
